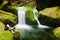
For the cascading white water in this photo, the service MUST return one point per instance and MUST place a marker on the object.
(22, 26)
(21, 15)
(36, 17)
(21, 19)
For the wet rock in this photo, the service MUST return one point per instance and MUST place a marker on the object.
(50, 16)
(8, 18)
(30, 19)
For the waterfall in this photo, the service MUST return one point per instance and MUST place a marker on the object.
(21, 19)
(36, 17)
(21, 15)
(22, 26)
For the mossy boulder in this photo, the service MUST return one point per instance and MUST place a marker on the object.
(2, 26)
(50, 16)
(56, 32)
(4, 35)
(7, 35)
(17, 35)
(8, 18)
(30, 19)
(10, 8)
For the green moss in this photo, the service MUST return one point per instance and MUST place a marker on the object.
(2, 26)
(6, 35)
(7, 17)
(50, 16)
(11, 9)
(17, 35)
(56, 32)
(30, 16)
(53, 12)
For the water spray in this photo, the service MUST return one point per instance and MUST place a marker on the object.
(11, 29)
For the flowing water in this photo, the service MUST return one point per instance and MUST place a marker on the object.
(28, 32)
(21, 19)
(36, 17)
(22, 26)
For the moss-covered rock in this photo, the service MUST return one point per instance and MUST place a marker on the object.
(30, 16)
(50, 16)
(8, 18)
(7, 35)
(1, 26)
(56, 32)
(17, 35)
(11, 9)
